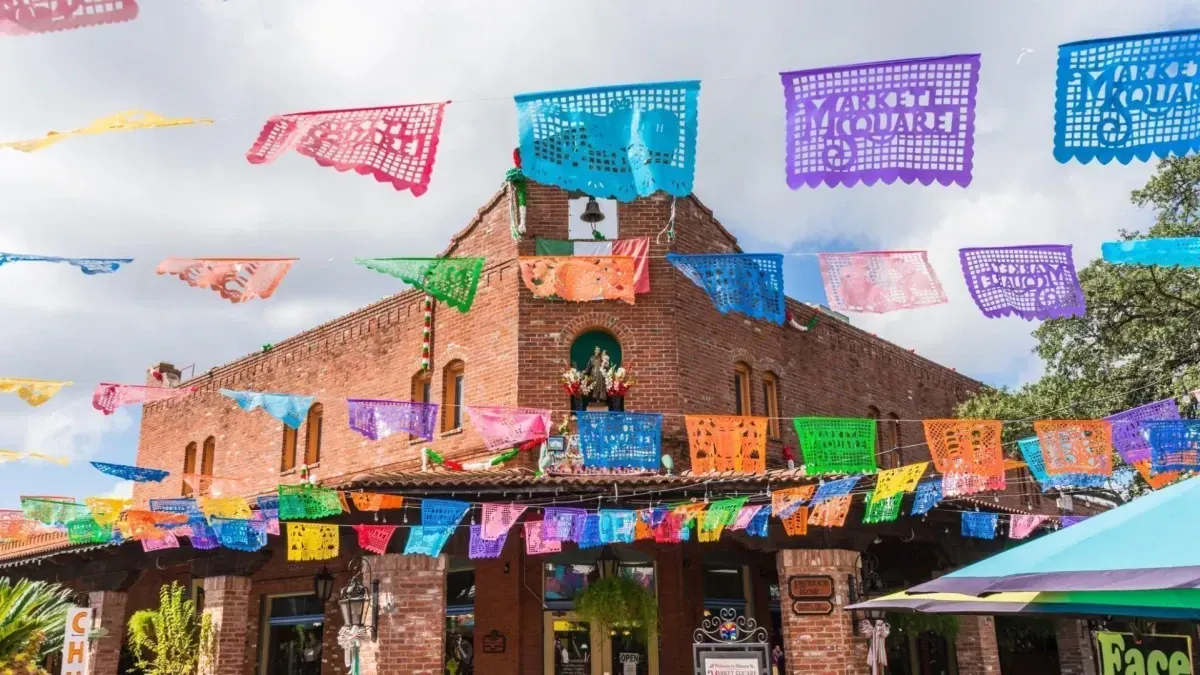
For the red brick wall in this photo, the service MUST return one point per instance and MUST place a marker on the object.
(411, 639)
(498, 597)
(975, 647)
(372, 353)
(823, 644)
(1075, 653)
(645, 329)
(108, 609)
(225, 603)
(515, 347)
(283, 577)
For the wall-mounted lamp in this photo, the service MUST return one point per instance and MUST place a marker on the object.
(323, 585)
(355, 600)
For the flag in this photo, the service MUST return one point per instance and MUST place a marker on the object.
(638, 249)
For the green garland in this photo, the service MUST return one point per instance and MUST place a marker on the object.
(516, 204)
(916, 623)
(619, 603)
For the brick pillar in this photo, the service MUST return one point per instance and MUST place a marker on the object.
(822, 644)
(227, 604)
(498, 607)
(412, 637)
(1075, 655)
(108, 612)
(975, 648)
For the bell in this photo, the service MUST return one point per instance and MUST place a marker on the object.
(592, 213)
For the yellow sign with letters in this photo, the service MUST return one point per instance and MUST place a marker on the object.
(1122, 654)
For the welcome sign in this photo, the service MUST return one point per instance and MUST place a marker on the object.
(1120, 654)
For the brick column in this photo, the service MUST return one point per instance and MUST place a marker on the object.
(108, 612)
(412, 637)
(1075, 655)
(227, 604)
(822, 644)
(975, 647)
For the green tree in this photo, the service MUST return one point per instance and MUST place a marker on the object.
(1140, 338)
(169, 640)
(33, 615)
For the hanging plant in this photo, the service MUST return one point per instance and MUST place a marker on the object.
(619, 604)
(945, 625)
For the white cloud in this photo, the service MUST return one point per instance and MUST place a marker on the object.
(122, 490)
(71, 429)
(189, 191)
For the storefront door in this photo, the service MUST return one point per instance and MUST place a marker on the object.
(570, 646)
(293, 628)
(574, 647)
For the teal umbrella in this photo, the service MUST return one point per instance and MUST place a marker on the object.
(1150, 543)
(1182, 605)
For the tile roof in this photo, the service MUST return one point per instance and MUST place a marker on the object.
(40, 545)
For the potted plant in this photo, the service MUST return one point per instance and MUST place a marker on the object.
(310, 647)
(619, 384)
(619, 603)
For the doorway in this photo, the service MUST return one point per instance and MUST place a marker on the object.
(294, 629)
(568, 644)
(575, 647)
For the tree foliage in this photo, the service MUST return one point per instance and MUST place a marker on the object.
(33, 615)
(1139, 341)
(169, 640)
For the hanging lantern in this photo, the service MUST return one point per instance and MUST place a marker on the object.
(323, 585)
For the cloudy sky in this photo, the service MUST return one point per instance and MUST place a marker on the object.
(189, 191)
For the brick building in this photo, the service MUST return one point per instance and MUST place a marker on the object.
(514, 613)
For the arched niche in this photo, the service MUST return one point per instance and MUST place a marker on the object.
(584, 346)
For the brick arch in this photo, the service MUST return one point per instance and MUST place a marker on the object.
(740, 354)
(596, 321)
(452, 352)
(769, 364)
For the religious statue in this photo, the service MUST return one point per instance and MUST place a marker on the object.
(597, 369)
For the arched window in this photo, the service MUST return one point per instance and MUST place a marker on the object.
(741, 389)
(207, 459)
(189, 466)
(422, 387)
(770, 384)
(454, 381)
(288, 452)
(312, 434)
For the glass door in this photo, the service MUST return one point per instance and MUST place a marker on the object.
(570, 646)
(629, 654)
(293, 628)
(573, 646)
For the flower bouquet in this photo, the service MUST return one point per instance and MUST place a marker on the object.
(576, 384)
(619, 381)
